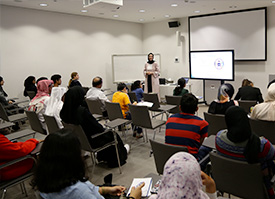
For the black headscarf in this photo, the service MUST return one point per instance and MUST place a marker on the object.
(150, 62)
(72, 109)
(239, 131)
(29, 85)
(1, 88)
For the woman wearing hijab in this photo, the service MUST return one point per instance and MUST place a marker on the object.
(40, 101)
(238, 142)
(74, 80)
(183, 178)
(29, 85)
(224, 101)
(180, 90)
(73, 112)
(3, 94)
(266, 110)
(55, 104)
(151, 73)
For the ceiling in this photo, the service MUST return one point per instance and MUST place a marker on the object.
(154, 10)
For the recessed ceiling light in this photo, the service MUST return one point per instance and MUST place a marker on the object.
(115, 16)
(43, 4)
(141, 10)
(174, 5)
(197, 11)
(167, 16)
(141, 19)
(84, 10)
(273, 1)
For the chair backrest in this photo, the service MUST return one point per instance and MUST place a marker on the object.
(140, 116)
(247, 104)
(51, 123)
(94, 106)
(237, 177)
(263, 128)
(152, 97)
(113, 110)
(3, 113)
(31, 94)
(133, 96)
(173, 100)
(77, 129)
(85, 89)
(162, 152)
(35, 122)
(216, 123)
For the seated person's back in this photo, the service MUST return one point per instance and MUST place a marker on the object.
(248, 92)
(186, 129)
(180, 90)
(136, 87)
(266, 110)
(224, 101)
(122, 98)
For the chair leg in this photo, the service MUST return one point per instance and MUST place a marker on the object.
(154, 134)
(25, 190)
(117, 155)
(146, 139)
(4, 193)
(94, 162)
(21, 187)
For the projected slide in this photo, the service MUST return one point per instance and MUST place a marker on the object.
(217, 65)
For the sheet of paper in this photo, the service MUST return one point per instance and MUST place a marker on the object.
(146, 190)
(148, 104)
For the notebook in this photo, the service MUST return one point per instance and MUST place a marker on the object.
(146, 190)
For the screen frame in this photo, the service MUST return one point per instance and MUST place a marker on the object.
(231, 12)
(206, 51)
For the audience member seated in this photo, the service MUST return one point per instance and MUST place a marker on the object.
(55, 104)
(249, 92)
(73, 112)
(186, 129)
(273, 81)
(136, 87)
(224, 101)
(14, 150)
(238, 142)
(56, 80)
(61, 173)
(3, 94)
(180, 90)
(122, 98)
(182, 178)
(39, 103)
(266, 110)
(74, 80)
(96, 93)
(29, 85)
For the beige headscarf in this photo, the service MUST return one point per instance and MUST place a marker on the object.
(266, 110)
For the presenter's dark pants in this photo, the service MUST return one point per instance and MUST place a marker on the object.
(149, 83)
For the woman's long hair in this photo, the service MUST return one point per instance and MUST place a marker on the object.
(72, 76)
(180, 86)
(60, 163)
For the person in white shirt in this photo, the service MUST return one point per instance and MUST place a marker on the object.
(96, 93)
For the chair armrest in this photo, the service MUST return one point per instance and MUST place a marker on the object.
(16, 161)
(99, 134)
(160, 113)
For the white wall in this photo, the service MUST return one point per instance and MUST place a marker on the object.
(157, 37)
(42, 43)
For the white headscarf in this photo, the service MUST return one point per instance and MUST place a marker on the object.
(181, 178)
(55, 104)
(266, 110)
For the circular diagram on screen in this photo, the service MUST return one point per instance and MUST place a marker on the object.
(219, 63)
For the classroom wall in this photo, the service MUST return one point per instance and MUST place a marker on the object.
(157, 37)
(42, 43)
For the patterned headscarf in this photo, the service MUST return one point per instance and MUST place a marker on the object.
(181, 178)
(225, 90)
(43, 88)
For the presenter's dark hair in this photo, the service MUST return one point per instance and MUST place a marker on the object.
(181, 85)
(135, 85)
(97, 81)
(55, 77)
(189, 103)
(121, 86)
(60, 163)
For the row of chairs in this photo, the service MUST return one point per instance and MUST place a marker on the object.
(259, 127)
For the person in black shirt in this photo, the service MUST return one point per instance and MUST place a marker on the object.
(29, 85)
(248, 92)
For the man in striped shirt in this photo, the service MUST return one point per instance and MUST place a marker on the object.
(186, 129)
